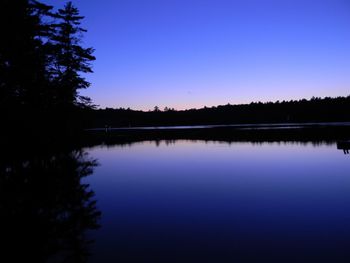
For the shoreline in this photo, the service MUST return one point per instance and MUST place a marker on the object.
(257, 133)
(238, 126)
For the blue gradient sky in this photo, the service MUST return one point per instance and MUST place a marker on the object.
(191, 53)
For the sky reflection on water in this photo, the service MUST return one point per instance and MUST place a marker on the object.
(196, 201)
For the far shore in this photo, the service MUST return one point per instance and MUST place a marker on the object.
(294, 125)
(278, 132)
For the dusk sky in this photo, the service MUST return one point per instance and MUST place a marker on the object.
(191, 53)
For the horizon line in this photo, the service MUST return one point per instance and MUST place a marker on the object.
(97, 107)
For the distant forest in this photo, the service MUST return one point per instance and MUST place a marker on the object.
(313, 110)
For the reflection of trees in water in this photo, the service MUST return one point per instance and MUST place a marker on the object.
(45, 208)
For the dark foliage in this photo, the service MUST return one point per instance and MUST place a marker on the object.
(23, 79)
(314, 110)
(69, 58)
(41, 62)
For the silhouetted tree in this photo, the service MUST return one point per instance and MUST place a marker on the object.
(41, 62)
(23, 78)
(69, 58)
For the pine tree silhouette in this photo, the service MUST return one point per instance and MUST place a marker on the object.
(70, 59)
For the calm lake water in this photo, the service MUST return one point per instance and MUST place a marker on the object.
(176, 201)
(196, 201)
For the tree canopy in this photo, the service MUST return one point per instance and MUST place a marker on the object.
(41, 57)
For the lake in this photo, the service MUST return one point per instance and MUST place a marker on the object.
(179, 201)
(197, 201)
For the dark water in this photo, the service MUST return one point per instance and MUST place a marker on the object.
(191, 201)
(296, 125)
(178, 201)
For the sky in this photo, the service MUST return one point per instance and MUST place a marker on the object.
(193, 53)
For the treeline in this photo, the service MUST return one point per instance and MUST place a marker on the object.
(313, 110)
(41, 64)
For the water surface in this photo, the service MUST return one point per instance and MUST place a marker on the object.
(196, 201)
(293, 125)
